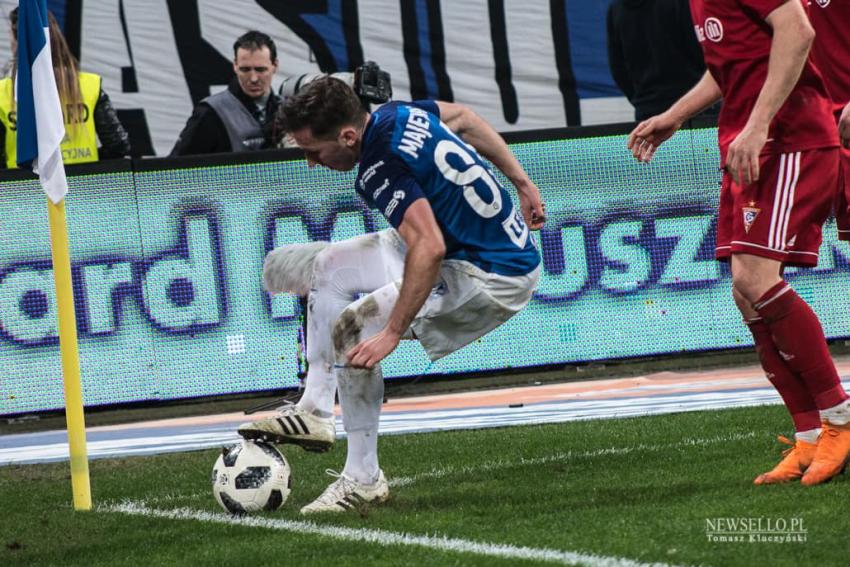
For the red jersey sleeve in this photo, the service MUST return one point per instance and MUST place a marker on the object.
(763, 7)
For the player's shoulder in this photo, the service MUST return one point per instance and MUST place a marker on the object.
(389, 123)
(393, 113)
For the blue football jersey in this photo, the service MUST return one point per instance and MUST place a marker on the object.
(408, 154)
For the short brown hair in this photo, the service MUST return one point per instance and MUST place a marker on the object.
(324, 105)
(254, 41)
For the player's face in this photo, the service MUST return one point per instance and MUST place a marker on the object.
(339, 154)
(255, 70)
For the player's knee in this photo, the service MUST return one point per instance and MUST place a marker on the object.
(346, 333)
(357, 322)
(744, 305)
(746, 289)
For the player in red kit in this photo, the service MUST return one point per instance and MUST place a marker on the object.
(831, 53)
(779, 154)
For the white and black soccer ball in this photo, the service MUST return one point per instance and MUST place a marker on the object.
(251, 476)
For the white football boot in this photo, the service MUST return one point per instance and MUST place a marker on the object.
(346, 494)
(293, 425)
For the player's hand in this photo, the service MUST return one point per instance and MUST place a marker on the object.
(373, 350)
(844, 126)
(533, 208)
(651, 133)
(742, 159)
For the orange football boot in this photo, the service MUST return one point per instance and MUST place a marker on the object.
(832, 455)
(795, 460)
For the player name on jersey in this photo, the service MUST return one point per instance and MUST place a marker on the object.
(415, 133)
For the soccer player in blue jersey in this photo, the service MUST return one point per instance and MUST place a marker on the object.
(457, 263)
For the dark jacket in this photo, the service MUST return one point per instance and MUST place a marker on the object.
(653, 52)
(205, 132)
(114, 140)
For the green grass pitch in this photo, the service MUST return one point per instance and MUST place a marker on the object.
(603, 492)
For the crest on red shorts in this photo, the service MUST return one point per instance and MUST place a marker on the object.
(750, 214)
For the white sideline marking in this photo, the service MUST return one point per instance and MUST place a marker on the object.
(381, 537)
(558, 457)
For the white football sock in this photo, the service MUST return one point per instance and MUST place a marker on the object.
(361, 464)
(838, 414)
(810, 436)
(319, 391)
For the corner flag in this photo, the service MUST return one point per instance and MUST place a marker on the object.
(41, 127)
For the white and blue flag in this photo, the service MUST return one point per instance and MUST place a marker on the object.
(41, 127)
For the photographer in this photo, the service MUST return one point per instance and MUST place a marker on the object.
(236, 119)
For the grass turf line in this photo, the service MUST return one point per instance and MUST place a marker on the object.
(641, 489)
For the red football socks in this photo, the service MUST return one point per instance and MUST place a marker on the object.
(799, 340)
(801, 405)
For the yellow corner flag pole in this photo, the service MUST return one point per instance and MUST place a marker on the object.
(40, 131)
(74, 415)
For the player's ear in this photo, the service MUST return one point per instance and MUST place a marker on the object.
(348, 136)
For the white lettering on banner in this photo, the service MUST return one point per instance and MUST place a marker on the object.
(683, 267)
(179, 290)
(223, 22)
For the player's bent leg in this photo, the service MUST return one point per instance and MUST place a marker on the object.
(754, 275)
(290, 268)
(361, 394)
(339, 271)
(799, 338)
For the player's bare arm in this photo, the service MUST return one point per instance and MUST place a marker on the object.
(651, 133)
(475, 131)
(792, 39)
(425, 251)
(844, 126)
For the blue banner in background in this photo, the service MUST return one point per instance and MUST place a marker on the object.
(522, 66)
(169, 300)
(58, 8)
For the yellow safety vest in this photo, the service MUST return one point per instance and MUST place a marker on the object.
(79, 144)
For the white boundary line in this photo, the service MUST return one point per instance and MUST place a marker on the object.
(381, 537)
(558, 457)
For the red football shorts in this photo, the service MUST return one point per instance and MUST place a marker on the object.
(842, 199)
(780, 216)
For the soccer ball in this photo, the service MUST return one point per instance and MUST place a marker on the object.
(251, 476)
